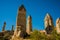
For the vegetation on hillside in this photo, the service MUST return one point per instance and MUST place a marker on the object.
(36, 35)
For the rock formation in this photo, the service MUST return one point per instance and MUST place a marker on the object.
(58, 25)
(23, 31)
(3, 29)
(12, 28)
(20, 30)
(29, 25)
(48, 23)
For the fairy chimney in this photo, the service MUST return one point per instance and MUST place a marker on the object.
(48, 23)
(58, 25)
(29, 25)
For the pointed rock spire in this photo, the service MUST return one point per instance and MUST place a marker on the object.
(48, 23)
(3, 29)
(48, 16)
(12, 28)
(22, 7)
(48, 20)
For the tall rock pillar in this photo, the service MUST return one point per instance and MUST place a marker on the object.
(29, 25)
(48, 23)
(12, 28)
(20, 23)
(58, 25)
(3, 29)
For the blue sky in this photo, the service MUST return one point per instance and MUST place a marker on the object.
(36, 8)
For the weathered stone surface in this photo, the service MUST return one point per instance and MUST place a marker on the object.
(58, 25)
(20, 24)
(29, 25)
(48, 23)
